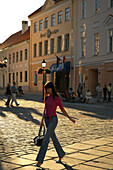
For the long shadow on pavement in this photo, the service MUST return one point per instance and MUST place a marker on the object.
(22, 113)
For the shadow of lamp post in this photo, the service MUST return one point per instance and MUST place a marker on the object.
(44, 71)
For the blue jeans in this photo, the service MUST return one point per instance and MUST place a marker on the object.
(50, 134)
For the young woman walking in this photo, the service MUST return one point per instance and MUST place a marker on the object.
(52, 100)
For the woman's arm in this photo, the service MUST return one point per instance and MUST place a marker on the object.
(66, 114)
(42, 120)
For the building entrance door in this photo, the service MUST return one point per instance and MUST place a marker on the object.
(93, 80)
(62, 81)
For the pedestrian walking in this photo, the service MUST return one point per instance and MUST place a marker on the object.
(109, 92)
(105, 93)
(14, 92)
(79, 90)
(99, 92)
(8, 93)
(52, 100)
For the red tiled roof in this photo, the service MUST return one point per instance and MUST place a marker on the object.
(39, 9)
(16, 38)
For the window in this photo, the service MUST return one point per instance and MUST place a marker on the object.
(83, 46)
(46, 47)
(53, 20)
(111, 40)
(20, 55)
(16, 56)
(46, 22)
(52, 45)
(35, 50)
(59, 44)
(25, 54)
(13, 77)
(67, 14)
(97, 6)
(59, 17)
(35, 78)
(9, 58)
(40, 25)
(111, 4)
(66, 48)
(96, 44)
(13, 57)
(40, 48)
(20, 76)
(35, 27)
(25, 76)
(83, 9)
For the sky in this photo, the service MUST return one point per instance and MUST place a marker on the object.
(13, 12)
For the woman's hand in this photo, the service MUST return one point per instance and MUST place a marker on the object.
(42, 122)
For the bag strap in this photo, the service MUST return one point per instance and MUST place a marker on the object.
(39, 133)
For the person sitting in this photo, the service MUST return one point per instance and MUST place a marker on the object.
(71, 94)
(20, 90)
(88, 96)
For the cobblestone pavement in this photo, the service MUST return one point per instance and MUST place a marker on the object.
(19, 125)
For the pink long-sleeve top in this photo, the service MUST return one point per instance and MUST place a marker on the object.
(51, 106)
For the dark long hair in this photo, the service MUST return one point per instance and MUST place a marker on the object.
(49, 84)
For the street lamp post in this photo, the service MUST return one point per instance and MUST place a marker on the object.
(44, 76)
(44, 71)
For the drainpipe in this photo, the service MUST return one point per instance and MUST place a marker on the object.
(75, 39)
(28, 42)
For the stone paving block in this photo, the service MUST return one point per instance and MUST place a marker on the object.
(19, 161)
(97, 142)
(29, 156)
(83, 156)
(105, 148)
(95, 152)
(28, 168)
(85, 167)
(52, 165)
(79, 146)
(110, 156)
(71, 161)
(8, 166)
(105, 160)
(99, 164)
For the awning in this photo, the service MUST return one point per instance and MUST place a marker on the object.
(54, 68)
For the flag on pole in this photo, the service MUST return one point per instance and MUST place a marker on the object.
(63, 61)
(58, 60)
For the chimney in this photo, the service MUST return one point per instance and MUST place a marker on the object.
(24, 26)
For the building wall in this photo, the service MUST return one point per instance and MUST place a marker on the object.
(94, 65)
(16, 67)
(66, 27)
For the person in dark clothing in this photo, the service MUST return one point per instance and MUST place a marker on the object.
(105, 93)
(8, 93)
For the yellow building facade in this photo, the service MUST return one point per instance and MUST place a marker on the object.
(51, 36)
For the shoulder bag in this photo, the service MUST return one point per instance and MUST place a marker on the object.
(38, 139)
